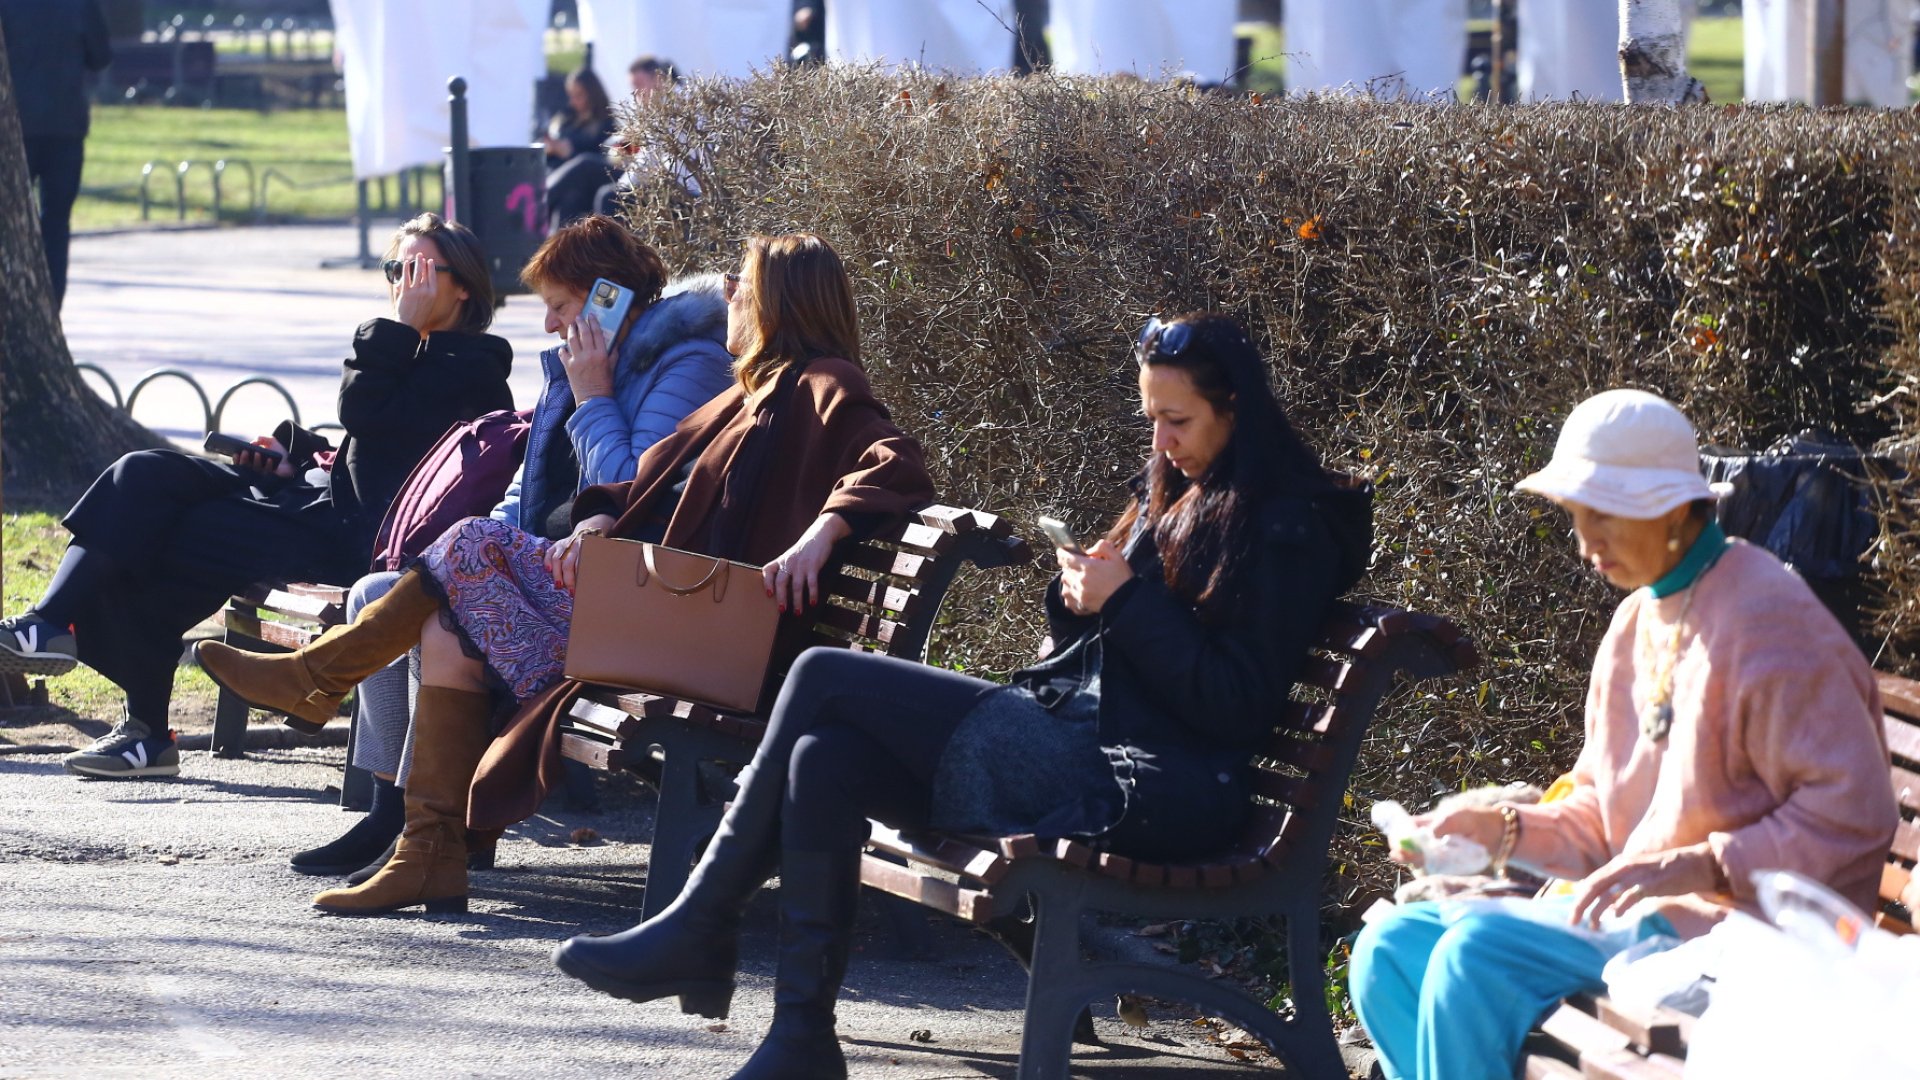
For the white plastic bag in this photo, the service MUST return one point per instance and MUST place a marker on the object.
(1442, 855)
(1817, 993)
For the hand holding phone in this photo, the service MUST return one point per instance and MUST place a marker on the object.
(608, 304)
(1061, 536)
(258, 456)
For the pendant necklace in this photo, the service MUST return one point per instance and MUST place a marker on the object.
(1657, 718)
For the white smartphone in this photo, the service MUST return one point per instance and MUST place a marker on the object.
(1061, 536)
(607, 303)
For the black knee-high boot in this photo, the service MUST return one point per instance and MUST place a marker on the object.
(691, 949)
(818, 894)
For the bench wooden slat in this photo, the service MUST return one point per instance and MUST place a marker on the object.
(1906, 841)
(970, 905)
(1899, 696)
(1903, 740)
(273, 633)
(929, 540)
(1299, 791)
(1655, 1031)
(874, 630)
(613, 723)
(1546, 1068)
(596, 754)
(1893, 881)
(1906, 788)
(898, 564)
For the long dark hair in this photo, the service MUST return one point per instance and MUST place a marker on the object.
(599, 106)
(1202, 527)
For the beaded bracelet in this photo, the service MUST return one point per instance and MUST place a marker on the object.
(1509, 836)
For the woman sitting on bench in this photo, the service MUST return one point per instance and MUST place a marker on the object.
(1176, 640)
(1731, 727)
(162, 539)
(602, 404)
(794, 456)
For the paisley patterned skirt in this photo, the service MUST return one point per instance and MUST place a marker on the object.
(502, 602)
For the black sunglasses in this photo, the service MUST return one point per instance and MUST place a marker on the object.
(730, 285)
(1162, 339)
(395, 267)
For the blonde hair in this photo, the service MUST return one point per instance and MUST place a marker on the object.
(802, 307)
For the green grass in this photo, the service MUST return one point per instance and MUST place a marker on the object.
(1716, 57)
(32, 544)
(305, 145)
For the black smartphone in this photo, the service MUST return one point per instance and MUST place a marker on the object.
(230, 446)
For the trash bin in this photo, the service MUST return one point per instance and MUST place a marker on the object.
(508, 188)
(1806, 499)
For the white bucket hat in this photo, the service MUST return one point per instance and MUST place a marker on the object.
(1627, 453)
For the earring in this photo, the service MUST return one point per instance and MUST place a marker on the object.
(1673, 543)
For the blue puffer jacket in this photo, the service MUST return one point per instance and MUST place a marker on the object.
(673, 361)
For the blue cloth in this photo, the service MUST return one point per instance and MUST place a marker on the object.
(1452, 998)
(672, 361)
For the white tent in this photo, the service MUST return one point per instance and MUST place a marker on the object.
(1146, 37)
(948, 35)
(399, 57)
(1415, 48)
(1879, 50)
(701, 37)
(1568, 49)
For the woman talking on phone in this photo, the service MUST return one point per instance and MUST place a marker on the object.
(604, 399)
(1175, 639)
(162, 538)
(794, 456)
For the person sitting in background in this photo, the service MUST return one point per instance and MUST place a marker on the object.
(793, 457)
(162, 539)
(651, 77)
(1175, 639)
(602, 405)
(1731, 727)
(576, 142)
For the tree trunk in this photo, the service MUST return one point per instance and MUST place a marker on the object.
(57, 434)
(1653, 54)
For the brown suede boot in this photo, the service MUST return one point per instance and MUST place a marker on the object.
(451, 734)
(307, 685)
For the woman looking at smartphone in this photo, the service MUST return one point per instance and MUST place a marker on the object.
(603, 402)
(1176, 636)
(796, 455)
(161, 539)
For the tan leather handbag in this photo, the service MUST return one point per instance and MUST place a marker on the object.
(671, 622)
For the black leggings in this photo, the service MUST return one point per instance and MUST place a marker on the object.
(860, 736)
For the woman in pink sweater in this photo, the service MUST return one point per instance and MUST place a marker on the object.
(1731, 727)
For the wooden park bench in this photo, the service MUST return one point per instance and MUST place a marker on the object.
(1592, 1036)
(1275, 867)
(884, 596)
(281, 618)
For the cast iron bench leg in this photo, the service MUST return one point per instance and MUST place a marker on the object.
(681, 823)
(1054, 1004)
(229, 712)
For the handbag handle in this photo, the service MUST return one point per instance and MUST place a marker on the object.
(719, 571)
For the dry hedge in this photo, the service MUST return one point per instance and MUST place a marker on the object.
(1436, 288)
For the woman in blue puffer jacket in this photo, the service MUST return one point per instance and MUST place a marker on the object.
(599, 409)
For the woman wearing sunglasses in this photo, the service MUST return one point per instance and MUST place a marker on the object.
(162, 538)
(1175, 640)
(602, 404)
(794, 456)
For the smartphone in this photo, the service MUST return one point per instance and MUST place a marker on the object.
(230, 446)
(1057, 531)
(607, 303)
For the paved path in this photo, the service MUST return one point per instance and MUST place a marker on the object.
(225, 304)
(151, 928)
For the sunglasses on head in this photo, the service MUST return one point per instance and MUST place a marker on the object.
(395, 267)
(730, 285)
(1162, 339)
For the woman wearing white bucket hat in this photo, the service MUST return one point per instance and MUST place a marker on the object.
(1731, 726)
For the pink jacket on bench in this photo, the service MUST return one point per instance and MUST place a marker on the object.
(1776, 756)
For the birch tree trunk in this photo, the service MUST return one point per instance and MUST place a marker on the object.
(1653, 54)
(58, 432)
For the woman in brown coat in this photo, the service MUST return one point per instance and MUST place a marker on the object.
(794, 457)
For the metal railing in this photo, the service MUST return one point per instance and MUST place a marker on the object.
(211, 410)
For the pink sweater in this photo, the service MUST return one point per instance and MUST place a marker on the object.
(1776, 757)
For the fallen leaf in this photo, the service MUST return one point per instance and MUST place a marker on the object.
(920, 1035)
(717, 1028)
(585, 835)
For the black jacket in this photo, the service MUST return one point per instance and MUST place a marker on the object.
(51, 45)
(399, 393)
(1184, 705)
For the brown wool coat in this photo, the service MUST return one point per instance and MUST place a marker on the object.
(838, 452)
